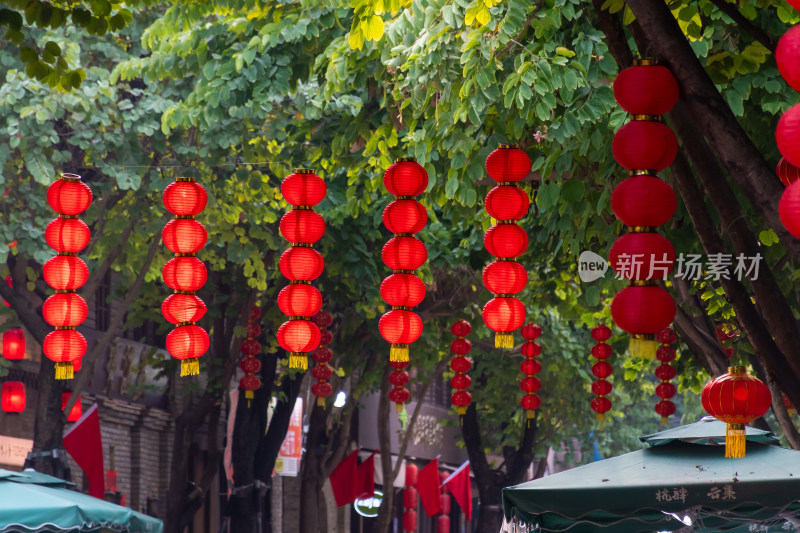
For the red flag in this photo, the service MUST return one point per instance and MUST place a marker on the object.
(366, 477)
(344, 480)
(460, 487)
(428, 488)
(84, 444)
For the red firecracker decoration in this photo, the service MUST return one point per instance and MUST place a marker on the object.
(185, 274)
(725, 334)
(665, 372)
(301, 264)
(506, 240)
(601, 370)
(404, 253)
(14, 344)
(12, 397)
(322, 356)
(644, 146)
(736, 398)
(65, 310)
(251, 348)
(77, 410)
(460, 364)
(530, 367)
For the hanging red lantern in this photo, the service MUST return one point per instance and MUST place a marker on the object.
(403, 290)
(665, 390)
(300, 263)
(404, 253)
(77, 410)
(250, 348)
(787, 56)
(508, 164)
(530, 367)
(646, 88)
(187, 342)
(601, 370)
(303, 188)
(299, 299)
(14, 344)
(184, 236)
(643, 311)
(505, 277)
(410, 521)
(302, 226)
(65, 310)
(503, 315)
(405, 216)
(298, 337)
(786, 134)
(460, 364)
(185, 197)
(12, 397)
(506, 240)
(400, 328)
(322, 356)
(645, 145)
(787, 172)
(644, 201)
(443, 523)
(179, 308)
(736, 398)
(507, 202)
(789, 209)
(409, 496)
(184, 273)
(642, 256)
(405, 177)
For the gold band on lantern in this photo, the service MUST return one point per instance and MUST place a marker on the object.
(302, 208)
(736, 370)
(503, 295)
(187, 323)
(507, 184)
(298, 318)
(405, 197)
(642, 172)
(67, 254)
(304, 171)
(645, 62)
(405, 160)
(66, 176)
(64, 291)
(185, 217)
(641, 283)
(67, 216)
(641, 229)
(647, 118)
(400, 308)
(63, 328)
(403, 234)
(501, 222)
(190, 293)
(185, 179)
(508, 146)
(185, 255)
(403, 271)
(300, 282)
(301, 245)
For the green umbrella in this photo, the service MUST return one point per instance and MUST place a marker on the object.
(681, 482)
(31, 502)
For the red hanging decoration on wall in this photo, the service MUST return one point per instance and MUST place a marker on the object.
(644, 146)
(404, 253)
(601, 370)
(301, 264)
(530, 367)
(506, 240)
(14, 344)
(250, 363)
(77, 410)
(461, 398)
(322, 356)
(665, 372)
(12, 397)
(185, 274)
(65, 310)
(736, 398)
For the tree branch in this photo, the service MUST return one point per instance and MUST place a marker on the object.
(755, 32)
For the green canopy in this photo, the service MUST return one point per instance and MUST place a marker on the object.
(31, 502)
(681, 482)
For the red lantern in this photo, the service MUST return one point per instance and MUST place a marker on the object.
(410, 521)
(188, 342)
(302, 226)
(69, 195)
(461, 328)
(642, 256)
(507, 202)
(665, 390)
(409, 494)
(644, 145)
(405, 216)
(14, 344)
(786, 135)
(460, 398)
(250, 365)
(601, 351)
(399, 396)
(461, 364)
(65, 272)
(77, 410)
(299, 299)
(411, 479)
(403, 290)
(250, 348)
(508, 164)
(460, 346)
(398, 378)
(789, 209)
(400, 328)
(405, 177)
(178, 308)
(323, 354)
(298, 337)
(12, 397)
(643, 311)
(646, 88)
(322, 319)
(67, 235)
(601, 370)
(601, 405)
(787, 172)
(185, 197)
(184, 273)
(249, 385)
(504, 315)
(506, 240)
(505, 277)
(303, 188)
(65, 310)
(325, 372)
(530, 402)
(299, 263)
(530, 367)
(531, 349)
(63, 346)
(531, 331)
(602, 387)
(404, 253)
(184, 236)
(321, 390)
(787, 56)
(736, 398)
(644, 201)
(442, 523)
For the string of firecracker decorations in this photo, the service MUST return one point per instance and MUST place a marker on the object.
(530, 367)
(461, 364)
(65, 310)
(506, 240)
(404, 254)
(301, 264)
(602, 370)
(250, 363)
(185, 273)
(665, 372)
(322, 355)
(644, 146)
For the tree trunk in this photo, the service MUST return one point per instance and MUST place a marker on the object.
(386, 511)
(311, 481)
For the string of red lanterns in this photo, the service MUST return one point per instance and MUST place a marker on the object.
(644, 146)
(506, 240)
(787, 56)
(665, 372)
(12, 397)
(323, 355)
(14, 344)
(530, 367)
(65, 310)
(185, 273)
(461, 364)
(301, 264)
(602, 370)
(410, 499)
(250, 363)
(443, 520)
(736, 398)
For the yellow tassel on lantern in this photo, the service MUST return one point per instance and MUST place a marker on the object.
(64, 370)
(320, 401)
(504, 339)
(248, 394)
(664, 420)
(644, 346)
(190, 367)
(735, 441)
(461, 410)
(298, 360)
(601, 417)
(398, 353)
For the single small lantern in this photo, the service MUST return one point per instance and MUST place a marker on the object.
(646, 88)
(12, 397)
(460, 364)
(250, 349)
(530, 367)
(185, 273)
(77, 410)
(404, 253)
(665, 372)
(65, 310)
(506, 240)
(301, 264)
(322, 355)
(14, 344)
(602, 370)
(736, 398)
